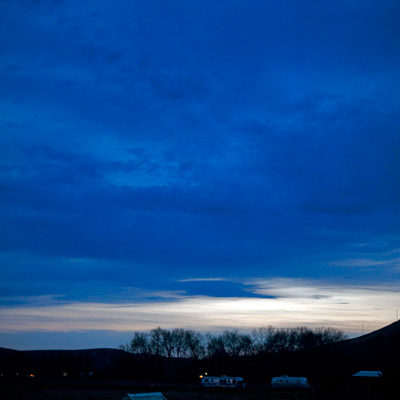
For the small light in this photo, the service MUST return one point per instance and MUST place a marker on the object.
(201, 376)
(205, 373)
(31, 375)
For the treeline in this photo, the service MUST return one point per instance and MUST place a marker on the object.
(186, 343)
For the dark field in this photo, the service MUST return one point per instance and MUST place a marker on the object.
(115, 390)
(328, 368)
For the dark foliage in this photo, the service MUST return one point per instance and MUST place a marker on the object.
(231, 343)
(329, 364)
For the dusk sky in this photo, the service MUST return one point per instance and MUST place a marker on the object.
(197, 164)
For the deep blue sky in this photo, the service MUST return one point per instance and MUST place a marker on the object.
(187, 155)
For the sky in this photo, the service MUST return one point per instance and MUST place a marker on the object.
(199, 164)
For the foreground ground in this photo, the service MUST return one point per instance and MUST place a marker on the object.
(116, 390)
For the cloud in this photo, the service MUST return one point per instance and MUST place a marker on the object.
(367, 262)
(216, 287)
(378, 256)
(296, 302)
(264, 142)
(202, 280)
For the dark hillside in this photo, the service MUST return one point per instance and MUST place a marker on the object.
(64, 362)
(388, 336)
(97, 363)
(379, 350)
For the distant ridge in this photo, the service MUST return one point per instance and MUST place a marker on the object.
(384, 342)
(85, 362)
(388, 332)
(378, 350)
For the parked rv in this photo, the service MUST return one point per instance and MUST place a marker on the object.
(367, 381)
(223, 381)
(289, 382)
(145, 396)
(368, 374)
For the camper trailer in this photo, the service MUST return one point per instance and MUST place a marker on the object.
(145, 396)
(367, 381)
(289, 382)
(223, 381)
(368, 374)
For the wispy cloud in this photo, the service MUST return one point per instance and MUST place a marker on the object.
(393, 251)
(202, 280)
(392, 263)
(296, 302)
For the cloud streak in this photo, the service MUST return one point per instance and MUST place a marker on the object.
(295, 303)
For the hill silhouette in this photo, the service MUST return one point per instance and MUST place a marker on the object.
(387, 336)
(378, 350)
(52, 363)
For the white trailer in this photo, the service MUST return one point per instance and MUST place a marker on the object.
(145, 396)
(289, 382)
(223, 381)
(368, 374)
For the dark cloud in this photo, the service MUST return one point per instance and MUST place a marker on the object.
(217, 288)
(158, 139)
